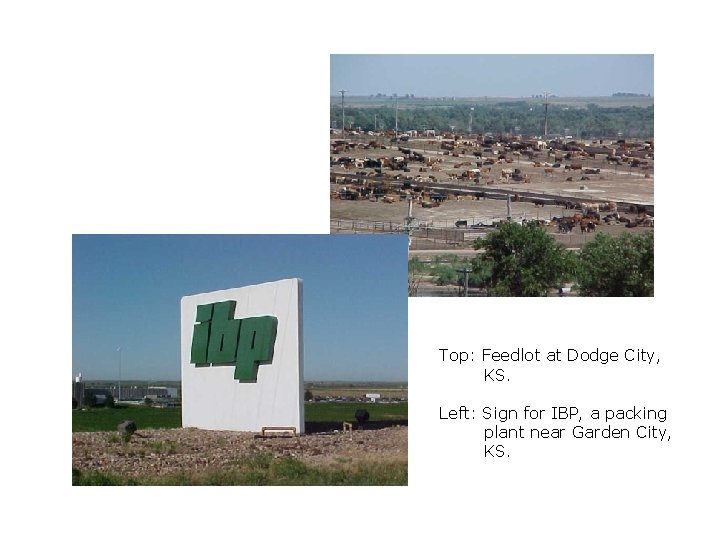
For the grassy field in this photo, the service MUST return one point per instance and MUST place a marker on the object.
(345, 412)
(102, 419)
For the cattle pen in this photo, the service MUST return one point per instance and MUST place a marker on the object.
(446, 193)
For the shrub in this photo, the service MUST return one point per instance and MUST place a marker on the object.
(90, 399)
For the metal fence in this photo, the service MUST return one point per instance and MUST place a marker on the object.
(444, 237)
(450, 234)
(366, 227)
(435, 291)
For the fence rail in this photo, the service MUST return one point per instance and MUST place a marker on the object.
(434, 291)
(379, 227)
(449, 234)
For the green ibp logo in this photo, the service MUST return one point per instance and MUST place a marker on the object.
(219, 339)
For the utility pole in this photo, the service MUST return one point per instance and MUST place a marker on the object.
(342, 93)
(396, 116)
(409, 221)
(465, 271)
(546, 109)
(470, 123)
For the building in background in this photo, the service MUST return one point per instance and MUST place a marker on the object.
(78, 390)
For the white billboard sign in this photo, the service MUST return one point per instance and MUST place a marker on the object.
(242, 362)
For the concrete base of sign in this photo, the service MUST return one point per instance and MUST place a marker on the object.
(212, 396)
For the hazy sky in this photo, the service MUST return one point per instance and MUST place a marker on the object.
(127, 290)
(491, 75)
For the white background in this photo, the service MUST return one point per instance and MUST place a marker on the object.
(167, 117)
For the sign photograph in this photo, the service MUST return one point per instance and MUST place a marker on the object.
(282, 363)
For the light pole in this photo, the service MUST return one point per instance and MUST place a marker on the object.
(396, 117)
(470, 123)
(119, 351)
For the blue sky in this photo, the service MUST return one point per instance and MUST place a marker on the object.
(127, 290)
(492, 75)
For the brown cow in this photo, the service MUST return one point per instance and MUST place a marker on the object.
(587, 225)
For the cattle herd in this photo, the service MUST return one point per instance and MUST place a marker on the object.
(451, 167)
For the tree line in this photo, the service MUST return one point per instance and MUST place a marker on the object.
(524, 260)
(511, 117)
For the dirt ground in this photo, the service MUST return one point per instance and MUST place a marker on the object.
(618, 183)
(445, 215)
(615, 182)
(167, 451)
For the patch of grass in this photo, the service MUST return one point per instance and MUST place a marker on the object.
(162, 447)
(263, 470)
(105, 419)
(95, 478)
(345, 412)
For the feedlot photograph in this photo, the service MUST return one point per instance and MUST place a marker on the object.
(541, 185)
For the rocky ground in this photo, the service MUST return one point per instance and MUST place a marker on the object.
(166, 451)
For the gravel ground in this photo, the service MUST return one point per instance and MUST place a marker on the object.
(167, 451)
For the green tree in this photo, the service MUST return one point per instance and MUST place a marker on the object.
(110, 402)
(148, 401)
(526, 260)
(503, 117)
(617, 266)
(308, 395)
(482, 272)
